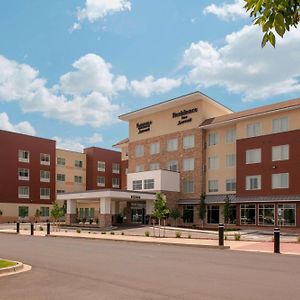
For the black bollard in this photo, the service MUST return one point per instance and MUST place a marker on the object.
(48, 228)
(18, 227)
(221, 234)
(31, 229)
(276, 240)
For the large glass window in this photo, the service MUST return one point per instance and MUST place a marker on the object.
(230, 185)
(116, 168)
(188, 214)
(231, 136)
(101, 181)
(266, 214)
(172, 165)
(213, 214)
(78, 179)
(23, 211)
(248, 214)
(230, 160)
(60, 161)
(137, 185)
(24, 156)
(231, 215)
(213, 186)
(172, 145)
(213, 139)
(188, 186)
(280, 125)
(154, 166)
(253, 182)
(44, 176)
(78, 163)
(213, 162)
(286, 214)
(149, 184)
(44, 211)
(23, 192)
(139, 168)
(44, 193)
(154, 148)
(23, 174)
(280, 181)
(60, 177)
(139, 151)
(116, 182)
(101, 166)
(188, 164)
(253, 156)
(253, 130)
(280, 152)
(45, 159)
(188, 141)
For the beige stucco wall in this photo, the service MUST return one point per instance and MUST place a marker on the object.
(70, 171)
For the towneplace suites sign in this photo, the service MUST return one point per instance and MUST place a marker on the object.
(184, 115)
(143, 127)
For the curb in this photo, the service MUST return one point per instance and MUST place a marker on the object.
(8, 270)
(144, 242)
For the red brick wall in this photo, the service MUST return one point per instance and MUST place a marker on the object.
(11, 143)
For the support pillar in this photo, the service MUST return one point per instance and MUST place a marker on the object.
(71, 212)
(149, 211)
(105, 217)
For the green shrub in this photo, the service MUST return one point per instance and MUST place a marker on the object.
(147, 233)
(41, 228)
(194, 226)
(78, 230)
(66, 230)
(298, 239)
(89, 232)
(237, 236)
(112, 233)
(178, 234)
(189, 236)
(122, 233)
(226, 237)
(103, 232)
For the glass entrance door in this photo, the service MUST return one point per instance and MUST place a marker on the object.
(137, 213)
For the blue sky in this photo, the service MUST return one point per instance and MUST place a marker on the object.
(69, 68)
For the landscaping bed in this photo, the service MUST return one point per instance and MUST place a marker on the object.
(6, 263)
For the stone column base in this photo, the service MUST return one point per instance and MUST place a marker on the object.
(105, 220)
(71, 218)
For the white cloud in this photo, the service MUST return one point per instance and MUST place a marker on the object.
(75, 26)
(96, 138)
(149, 85)
(95, 10)
(83, 97)
(22, 127)
(242, 66)
(228, 11)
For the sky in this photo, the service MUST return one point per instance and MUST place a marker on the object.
(69, 68)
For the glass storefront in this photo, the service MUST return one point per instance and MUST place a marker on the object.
(248, 214)
(213, 214)
(231, 214)
(86, 213)
(137, 212)
(286, 215)
(266, 214)
(188, 214)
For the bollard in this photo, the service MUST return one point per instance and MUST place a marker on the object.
(276, 240)
(221, 234)
(48, 228)
(31, 229)
(18, 227)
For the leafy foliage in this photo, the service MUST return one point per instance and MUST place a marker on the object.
(274, 16)
(175, 213)
(202, 207)
(56, 211)
(226, 209)
(160, 206)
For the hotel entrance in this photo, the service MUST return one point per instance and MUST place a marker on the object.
(137, 210)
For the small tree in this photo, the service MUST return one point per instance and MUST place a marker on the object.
(160, 208)
(37, 214)
(226, 211)
(23, 212)
(202, 208)
(175, 214)
(1, 213)
(56, 211)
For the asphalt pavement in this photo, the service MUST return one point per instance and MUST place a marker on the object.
(65, 268)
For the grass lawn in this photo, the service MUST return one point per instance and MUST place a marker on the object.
(6, 263)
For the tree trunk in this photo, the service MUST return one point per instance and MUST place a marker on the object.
(164, 228)
(153, 223)
(159, 227)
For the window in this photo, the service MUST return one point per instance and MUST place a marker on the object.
(280, 152)
(149, 184)
(23, 211)
(230, 160)
(61, 177)
(24, 192)
(188, 164)
(78, 163)
(154, 148)
(172, 165)
(137, 185)
(253, 182)
(101, 166)
(230, 136)
(45, 159)
(172, 145)
(231, 215)
(116, 182)
(188, 186)
(45, 193)
(253, 130)
(101, 181)
(188, 142)
(44, 176)
(154, 166)
(213, 139)
(286, 214)
(24, 156)
(213, 186)
(188, 214)
(61, 161)
(266, 214)
(116, 168)
(213, 214)
(248, 214)
(60, 191)
(139, 151)
(253, 156)
(23, 174)
(44, 211)
(280, 125)
(139, 168)
(280, 181)
(213, 162)
(78, 179)
(230, 185)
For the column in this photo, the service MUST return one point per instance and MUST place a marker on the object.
(105, 218)
(149, 210)
(71, 211)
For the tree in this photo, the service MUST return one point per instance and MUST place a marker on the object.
(202, 208)
(274, 16)
(56, 211)
(160, 208)
(23, 212)
(37, 214)
(1, 212)
(226, 210)
(175, 214)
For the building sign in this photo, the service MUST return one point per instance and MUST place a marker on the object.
(135, 197)
(143, 127)
(184, 115)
